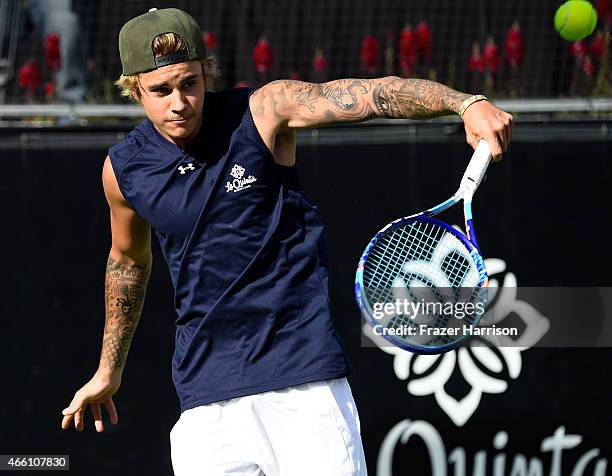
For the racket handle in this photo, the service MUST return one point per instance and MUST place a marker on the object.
(477, 167)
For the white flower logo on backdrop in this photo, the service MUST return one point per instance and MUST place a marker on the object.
(423, 381)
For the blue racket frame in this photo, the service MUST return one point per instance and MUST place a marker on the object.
(469, 183)
(424, 217)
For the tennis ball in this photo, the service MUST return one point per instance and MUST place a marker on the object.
(575, 19)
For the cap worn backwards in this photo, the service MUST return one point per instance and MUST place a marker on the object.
(137, 35)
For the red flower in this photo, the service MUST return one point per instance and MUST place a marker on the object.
(263, 55)
(588, 68)
(52, 51)
(319, 62)
(369, 54)
(598, 45)
(29, 75)
(423, 35)
(210, 40)
(476, 63)
(491, 55)
(515, 45)
(408, 48)
(49, 89)
(578, 49)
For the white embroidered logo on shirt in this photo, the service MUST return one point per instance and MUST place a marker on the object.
(239, 183)
(237, 171)
(183, 170)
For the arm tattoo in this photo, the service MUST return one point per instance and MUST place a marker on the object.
(354, 100)
(393, 98)
(343, 94)
(339, 100)
(303, 93)
(399, 98)
(124, 292)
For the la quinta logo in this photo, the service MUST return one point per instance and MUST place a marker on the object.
(240, 182)
(557, 451)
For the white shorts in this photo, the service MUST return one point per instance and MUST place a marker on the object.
(309, 429)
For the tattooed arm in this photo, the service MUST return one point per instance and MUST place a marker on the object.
(127, 273)
(282, 105)
(125, 286)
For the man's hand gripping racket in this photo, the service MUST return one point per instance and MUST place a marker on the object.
(421, 283)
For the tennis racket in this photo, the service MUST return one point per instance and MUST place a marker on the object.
(420, 282)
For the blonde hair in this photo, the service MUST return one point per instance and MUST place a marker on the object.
(166, 44)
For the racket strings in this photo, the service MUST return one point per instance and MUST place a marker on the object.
(396, 248)
(456, 266)
(416, 243)
(416, 259)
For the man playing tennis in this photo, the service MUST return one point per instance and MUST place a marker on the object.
(258, 368)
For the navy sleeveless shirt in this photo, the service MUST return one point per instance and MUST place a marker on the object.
(246, 254)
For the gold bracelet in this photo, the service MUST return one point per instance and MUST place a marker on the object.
(469, 101)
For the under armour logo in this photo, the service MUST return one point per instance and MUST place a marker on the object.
(183, 170)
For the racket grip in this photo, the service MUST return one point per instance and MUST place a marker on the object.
(477, 167)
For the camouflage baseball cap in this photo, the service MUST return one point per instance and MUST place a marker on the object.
(137, 35)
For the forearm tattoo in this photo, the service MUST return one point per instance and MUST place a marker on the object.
(125, 287)
(398, 98)
(356, 100)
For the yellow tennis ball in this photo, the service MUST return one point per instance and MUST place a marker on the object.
(575, 19)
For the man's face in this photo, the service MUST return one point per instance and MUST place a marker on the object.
(172, 97)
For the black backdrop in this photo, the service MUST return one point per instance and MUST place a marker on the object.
(543, 210)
